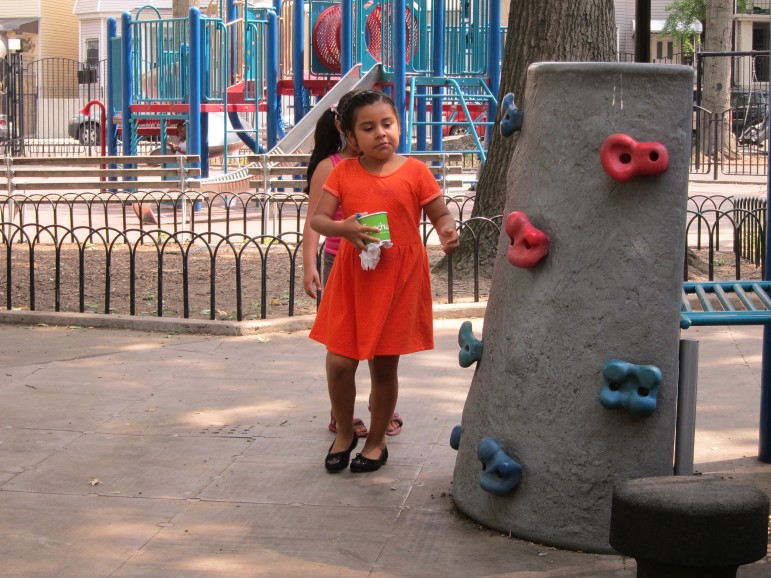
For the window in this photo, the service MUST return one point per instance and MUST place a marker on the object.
(92, 52)
(88, 71)
(760, 42)
(660, 50)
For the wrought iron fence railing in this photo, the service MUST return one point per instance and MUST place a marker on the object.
(92, 257)
(725, 238)
(722, 145)
(236, 259)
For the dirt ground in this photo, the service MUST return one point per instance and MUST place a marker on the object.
(264, 275)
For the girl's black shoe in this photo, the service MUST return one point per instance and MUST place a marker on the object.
(362, 464)
(338, 461)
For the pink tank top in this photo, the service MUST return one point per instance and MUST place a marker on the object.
(332, 244)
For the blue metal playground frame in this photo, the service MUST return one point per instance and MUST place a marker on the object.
(174, 69)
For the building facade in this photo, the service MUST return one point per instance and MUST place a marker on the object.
(46, 28)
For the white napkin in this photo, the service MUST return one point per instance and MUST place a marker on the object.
(370, 256)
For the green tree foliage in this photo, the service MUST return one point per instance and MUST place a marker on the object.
(682, 15)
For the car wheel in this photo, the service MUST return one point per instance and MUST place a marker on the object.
(89, 133)
(458, 130)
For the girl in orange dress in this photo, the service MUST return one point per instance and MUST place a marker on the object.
(329, 148)
(381, 313)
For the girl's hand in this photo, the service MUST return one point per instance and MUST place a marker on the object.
(311, 282)
(357, 233)
(448, 237)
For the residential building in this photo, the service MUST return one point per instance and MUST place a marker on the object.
(93, 15)
(46, 28)
(662, 47)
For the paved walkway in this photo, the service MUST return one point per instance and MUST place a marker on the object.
(138, 454)
(170, 454)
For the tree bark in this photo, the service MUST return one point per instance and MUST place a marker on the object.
(577, 30)
(717, 71)
(180, 8)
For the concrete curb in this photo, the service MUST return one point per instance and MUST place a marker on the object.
(203, 326)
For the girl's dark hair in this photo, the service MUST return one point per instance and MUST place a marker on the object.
(326, 142)
(356, 101)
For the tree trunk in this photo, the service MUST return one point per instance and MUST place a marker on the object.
(578, 30)
(717, 70)
(180, 8)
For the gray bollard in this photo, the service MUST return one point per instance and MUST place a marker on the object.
(578, 376)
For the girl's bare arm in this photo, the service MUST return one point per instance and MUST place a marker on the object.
(444, 224)
(311, 276)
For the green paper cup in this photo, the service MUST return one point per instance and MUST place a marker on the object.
(379, 220)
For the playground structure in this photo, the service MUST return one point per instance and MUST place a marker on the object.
(277, 65)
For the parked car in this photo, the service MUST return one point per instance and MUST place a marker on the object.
(3, 127)
(460, 126)
(748, 108)
(84, 129)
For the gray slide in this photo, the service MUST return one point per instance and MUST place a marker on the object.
(300, 138)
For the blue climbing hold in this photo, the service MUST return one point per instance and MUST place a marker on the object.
(455, 436)
(500, 473)
(470, 346)
(631, 387)
(512, 117)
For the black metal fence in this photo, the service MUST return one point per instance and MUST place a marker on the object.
(725, 238)
(42, 100)
(733, 141)
(230, 267)
(227, 266)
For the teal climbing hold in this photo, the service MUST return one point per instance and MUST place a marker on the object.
(631, 387)
(470, 346)
(500, 473)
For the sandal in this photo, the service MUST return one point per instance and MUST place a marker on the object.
(395, 430)
(358, 426)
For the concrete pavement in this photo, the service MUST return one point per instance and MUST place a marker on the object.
(138, 454)
(163, 452)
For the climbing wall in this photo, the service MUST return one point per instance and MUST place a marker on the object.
(576, 376)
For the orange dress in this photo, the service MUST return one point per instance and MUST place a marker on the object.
(386, 310)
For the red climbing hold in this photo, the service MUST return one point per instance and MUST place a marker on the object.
(529, 245)
(623, 157)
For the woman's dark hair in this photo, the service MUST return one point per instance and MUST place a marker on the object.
(326, 142)
(358, 99)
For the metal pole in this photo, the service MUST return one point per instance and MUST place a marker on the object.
(399, 52)
(298, 58)
(685, 431)
(346, 37)
(128, 82)
(437, 25)
(642, 38)
(194, 78)
(20, 118)
(112, 141)
(272, 78)
(764, 445)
